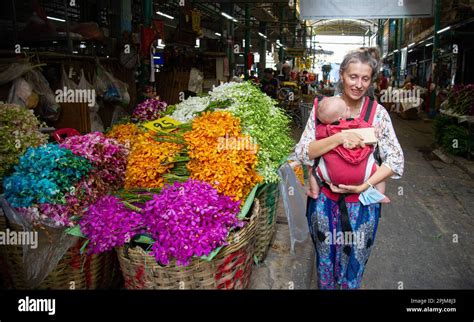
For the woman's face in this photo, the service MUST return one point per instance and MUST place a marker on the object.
(356, 80)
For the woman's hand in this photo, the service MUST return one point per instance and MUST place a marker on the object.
(350, 140)
(342, 188)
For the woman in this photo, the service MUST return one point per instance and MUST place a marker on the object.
(338, 265)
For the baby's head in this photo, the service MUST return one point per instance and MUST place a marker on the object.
(332, 109)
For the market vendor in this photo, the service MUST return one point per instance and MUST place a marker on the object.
(339, 266)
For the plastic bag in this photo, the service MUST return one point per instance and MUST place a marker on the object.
(48, 107)
(52, 244)
(11, 72)
(20, 92)
(119, 113)
(196, 79)
(66, 81)
(112, 89)
(294, 201)
(96, 122)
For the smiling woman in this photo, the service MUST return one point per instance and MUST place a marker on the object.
(339, 208)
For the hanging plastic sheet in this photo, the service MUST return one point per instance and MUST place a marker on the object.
(294, 202)
(52, 244)
(48, 109)
(96, 122)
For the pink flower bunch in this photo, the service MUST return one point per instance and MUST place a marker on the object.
(85, 193)
(108, 157)
(149, 110)
(189, 219)
(108, 224)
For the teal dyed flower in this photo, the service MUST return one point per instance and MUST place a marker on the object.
(44, 175)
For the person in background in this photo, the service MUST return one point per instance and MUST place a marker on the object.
(253, 77)
(269, 84)
(304, 83)
(382, 81)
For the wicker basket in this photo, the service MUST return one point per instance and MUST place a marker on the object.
(74, 271)
(230, 269)
(266, 221)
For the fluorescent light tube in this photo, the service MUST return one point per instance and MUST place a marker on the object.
(164, 15)
(55, 19)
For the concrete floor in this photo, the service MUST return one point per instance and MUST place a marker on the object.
(425, 237)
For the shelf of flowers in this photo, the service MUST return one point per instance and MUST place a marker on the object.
(182, 206)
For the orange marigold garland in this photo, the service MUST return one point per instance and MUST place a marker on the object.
(221, 155)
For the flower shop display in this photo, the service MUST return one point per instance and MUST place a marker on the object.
(50, 190)
(19, 131)
(149, 110)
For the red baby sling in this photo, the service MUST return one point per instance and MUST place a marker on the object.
(342, 165)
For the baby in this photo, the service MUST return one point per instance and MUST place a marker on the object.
(332, 109)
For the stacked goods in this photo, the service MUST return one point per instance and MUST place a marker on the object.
(461, 100)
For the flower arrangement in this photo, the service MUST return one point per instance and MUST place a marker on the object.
(229, 168)
(108, 157)
(44, 175)
(189, 219)
(19, 131)
(149, 110)
(108, 224)
(262, 120)
(184, 220)
(148, 161)
(125, 133)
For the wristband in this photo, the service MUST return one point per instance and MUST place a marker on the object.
(370, 185)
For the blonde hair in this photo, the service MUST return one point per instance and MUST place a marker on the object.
(364, 55)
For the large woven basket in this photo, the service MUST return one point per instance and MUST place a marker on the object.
(230, 269)
(74, 271)
(268, 197)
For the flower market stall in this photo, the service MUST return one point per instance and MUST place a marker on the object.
(192, 205)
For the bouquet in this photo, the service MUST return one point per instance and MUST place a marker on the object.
(149, 110)
(44, 175)
(19, 131)
(108, 157)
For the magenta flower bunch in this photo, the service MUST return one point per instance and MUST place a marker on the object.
(108, 224)
(108, 156)
(149, 110)
(189, 219)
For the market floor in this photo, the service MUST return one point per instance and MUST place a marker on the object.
(425, 236)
